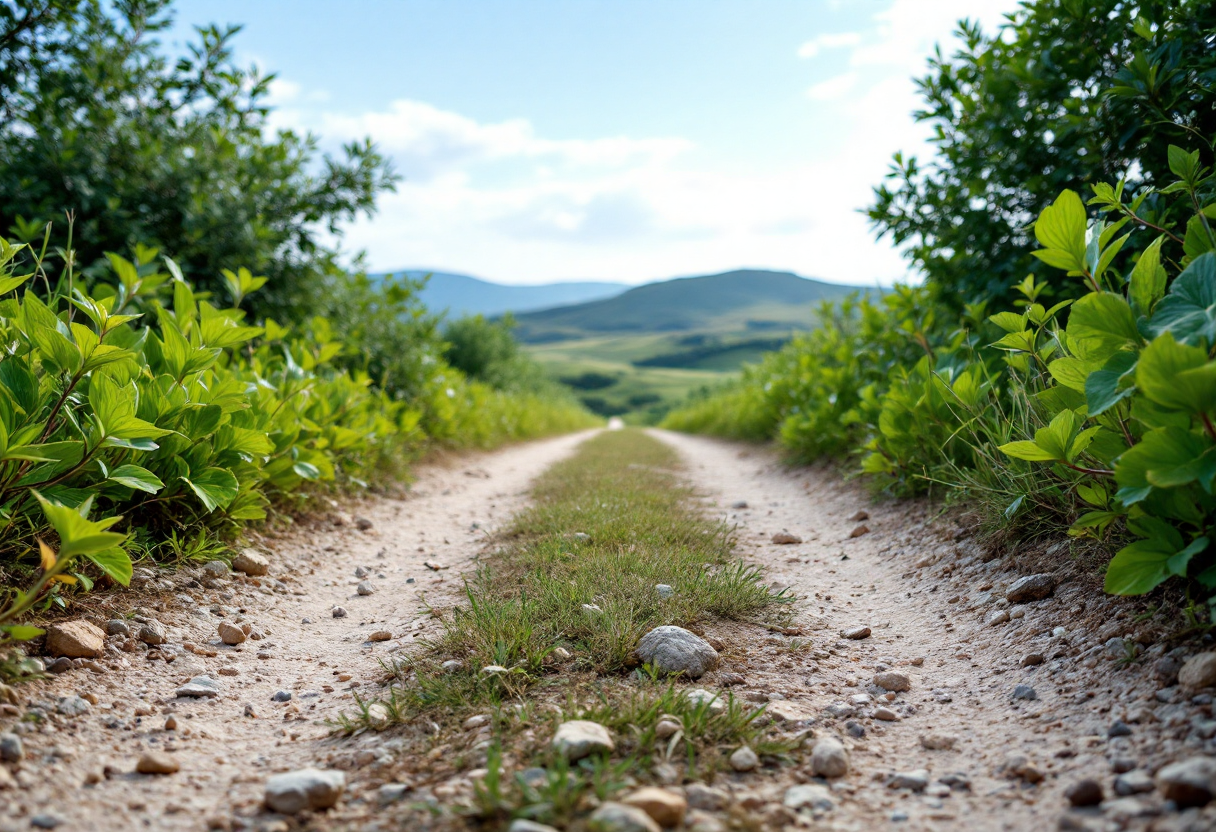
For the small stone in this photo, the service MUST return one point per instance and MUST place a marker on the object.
(915, 780)
(786, 539)
(75, 639)
(391, 793)
(1033, 659)
(476, 722)
(362, 572)
(666, 728)
(744, 759)
(829, 758)
(893, 681)
(200, 686)
(380, 635)
(886, 714)
(676, 650)
(339, 612)
(365, 588)
(700, 697)
(11, 748)
(1084, 793)
(281, 696)
(580, 738)
(524, 825)
(215, 569)
(452, 666)
(1020, 767)
(230, 670)
(1190, 782)
(1166, 670)
(811, 795)
(739, 505)
(71, 706)
(171, 723)
(938, 742)
(664, 590)
(560, 654)
(1024, 692)
(860, 516)
(117, 627)
(620, 817)
(45, 821)
(61, 665)
(1198, 671)
(664, 807)
(307, 788)
(231, 633)
(706, 798)
(1119, 728)
(251, 562)
(856, 633)
(378, 715)
(363, 524)
(1136, 781)
(996, 617)
(251, 711)
(157, 762)
(859, 531)
(152, 632)
(1030, 588)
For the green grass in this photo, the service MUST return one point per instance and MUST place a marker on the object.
(642, 528)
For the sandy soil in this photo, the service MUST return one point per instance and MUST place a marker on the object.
(919, 581)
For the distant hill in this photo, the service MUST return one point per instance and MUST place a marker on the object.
(750, 300)
(459, 294)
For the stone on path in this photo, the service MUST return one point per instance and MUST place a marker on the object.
(11, 748)
(893, 681)
(676, 650)
(365, 588)
(1190, 782)
(71, 706)
(829, 758)
(938, 742)
(152, 632)
(580, 738)
(200, 686)
(1025, 692)
(524, 825)
(620, 817)
(1085, 792)
(157, 762)
(786, 539)
(230, 633)
(1030, 588)
(251, 562)
(812, 795)
(744, 759)
(307, 788)
(75, 640)
(664, 807)
(915, 780)
(1198, 671)
(856, 633)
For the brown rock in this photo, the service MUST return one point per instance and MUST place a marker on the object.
(251, 562)
(1031, 588)
(859, 531)
(1190, 782)
(666, 808)
(157, 762)
(380, 635)
(859, 516)
(856, 633)
(785, 538)
(75, 639)
(1198, 671)
(231, 633)
(1084, 793)
(891, 680)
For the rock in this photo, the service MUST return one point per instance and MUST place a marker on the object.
(339, 612)
(71, 706)
(230, 670)
(1025, 692)
(886, 714)
(1033, 659)
(452, 666)
(307, 788)
(893, 681)
(859, 531)
(676, 650)
(1018, 766)
(829, 758)
(215, 569)
(1198, 671)
(152, 632)
(363, 524)
(1190, 782)
(251, 711)
(200, 686)
(1084, 793)
(380, 635)
(11, 749)
(362, 572)
(281, 696)
(580, 738)
(75, 639)
(860, 516)
(938, 742)
(231, 633)
(171, 723)
(378, 715)
(157, 762)
(391, 793)
(619, 817)
(61, 665)
(915, 780)
(1030, 588)
(665, 728)
(739, 505)
(706, 798)
(664, 590)
(744, 759)
(1119, 728)
(45, 821)
(855, 729)
(700, 697)
(996, 617)
(786, 539)
(560, 654)
(784, 710)
(809, 796)
(664, 808)
(1166, 670)
(251, 562)
(1136, 781)
(117, 627)
(522, 825)
(856, 633)
(365, 588)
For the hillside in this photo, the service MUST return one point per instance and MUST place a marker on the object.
(740, 301)
(458, 294)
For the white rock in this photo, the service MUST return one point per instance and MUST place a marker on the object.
(251, 562)
(308, 788)
(744, 759)
(580, 738)
(618, 817)
(200, 686)
(829, 758)
(700, 696)
(676, 650)
(811, 796)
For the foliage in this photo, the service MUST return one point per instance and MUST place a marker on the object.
(487, 351)
(173, 154)
(1067, 94)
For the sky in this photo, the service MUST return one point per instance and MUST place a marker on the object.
(622, 140)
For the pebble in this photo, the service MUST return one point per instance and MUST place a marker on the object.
(380, 635)
(1190, 782)
(915, 780)
(1033, 659)
(1136, 781)
(938, 742)
(45, 821)
(361, 572)
(1030, 588)
(856, 633)
(117, 627)
(152, 632)
(811, 795)
(676, 650)
(200, 686)
(365, 588)
(11, 748)
(855, 729)
(157, 762)
(476, 722)
(524, 825)
(282, 696)
(452, 666)
(71, 706)
(171, 723)
(230, 633)
(706, 798)
(251, 562)
(363, 524)
(664, 808)
(665, 728)
(1025, 692)
(744, 759)
(391, 793)
(893, 681)
(664, 590)
(700, 697)
(1119, 728)
(339, 612)
(1085, 792)
(560, 654)
(786, 539)
(829, 758)
(75, 639)
(307, 788)
(739, 505)
(580, 738)
(215, 569)
(620, 817)
(996, 617)
(886, 715)
(61, 665)
(1166, 670)
(859, 531)
(1198, 671)
(251, 711)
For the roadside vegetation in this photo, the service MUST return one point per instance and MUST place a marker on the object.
(1055, 371)
(183, 356)
(557, 613)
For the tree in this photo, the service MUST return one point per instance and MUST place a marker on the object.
(1069, 93)
(98, 121)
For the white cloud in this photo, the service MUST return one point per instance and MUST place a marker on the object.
(833, 41)
(833, 88)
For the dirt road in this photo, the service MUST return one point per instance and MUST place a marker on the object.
(1006, 704)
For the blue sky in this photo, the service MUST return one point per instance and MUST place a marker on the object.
(625, 140)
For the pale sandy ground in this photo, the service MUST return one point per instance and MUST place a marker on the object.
(918, 582)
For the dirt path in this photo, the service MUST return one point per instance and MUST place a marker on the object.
(78, 770)
(921, 586)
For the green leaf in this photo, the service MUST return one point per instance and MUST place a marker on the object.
(1148, 279)
(1182, 164)
(1177, 376)
(114, 562)
(1178, 563)
(1139, 567)
(133, 476)
(1100, 324)
(215, 487)
(77, 534)
(1107, 387)
(1061, 226)
(1188, 312)
(1026, 450)
(21, 632)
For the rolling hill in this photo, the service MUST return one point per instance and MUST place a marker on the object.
(743, 301)
(458, 294)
